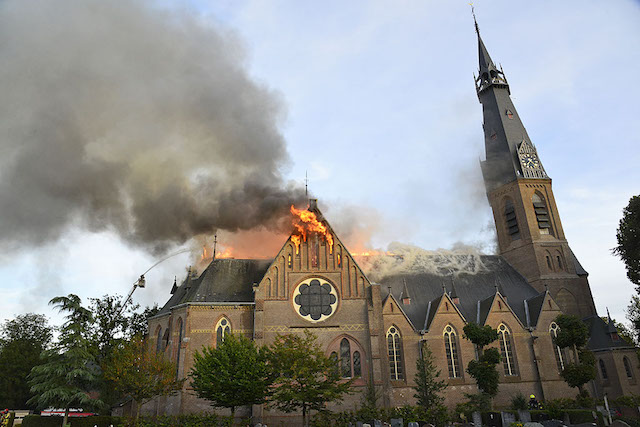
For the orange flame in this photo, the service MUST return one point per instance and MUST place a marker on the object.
(227, 253)
(308, 222)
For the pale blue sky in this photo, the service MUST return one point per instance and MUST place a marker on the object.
(382, 113)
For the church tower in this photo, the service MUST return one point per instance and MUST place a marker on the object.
(530, 234)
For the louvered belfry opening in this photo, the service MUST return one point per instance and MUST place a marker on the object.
(512, 221)
(542, 214)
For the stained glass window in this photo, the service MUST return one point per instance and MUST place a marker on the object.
(315, 299)
(451, 350)
(553, 330)
(223, 328)
(506, 351)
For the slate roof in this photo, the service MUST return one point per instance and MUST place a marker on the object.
(224, 280)
(600, 339)
(470, 288)
(580, 271)
(534, 306)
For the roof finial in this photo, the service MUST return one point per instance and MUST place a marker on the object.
(306, 184)
(444, 288)
(473, 12)
(215, 243)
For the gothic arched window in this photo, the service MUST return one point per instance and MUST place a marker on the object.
(223, 327)
(178, 346)
(166, 338)
(506, 350)
(394, 344)
(511, 220)
(603, 370)
(159, 340)
(451, 350)
(553, 331)
(542, 213)
(348, 357)
(627, 367)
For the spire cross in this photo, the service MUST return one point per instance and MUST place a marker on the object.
(306, 184)
(473, 12)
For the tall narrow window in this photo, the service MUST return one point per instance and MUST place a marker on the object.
(345, 358)
(549, 262)
(289, 261)
(178, 346)
(506, 350)
(542, 214)
(451, 350)
(315, 250)
(511, 220)
(553, 331)
(357, 364)
(394, 344)
(166, 338)
(159, 340)
(627, 367)
(603, 370)
(334, 358)
(222, 329)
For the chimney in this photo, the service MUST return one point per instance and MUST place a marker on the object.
(454, 294)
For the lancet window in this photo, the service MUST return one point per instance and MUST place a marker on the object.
(506, 350)
(394, 344)
(557, 351)
(542, 214)
(603, 370)
(627, 367)
(511, 220)
(223, 328)
(451, 351)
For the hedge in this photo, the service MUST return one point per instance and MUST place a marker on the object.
(192, 420)
(38, 421)
(98, 420)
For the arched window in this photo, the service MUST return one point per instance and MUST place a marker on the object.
(603, 370)
(166, 338)
(553, 331)
(159, 340)
(348, 357)
(178, 346)
(222, 328)
(560, 258)
(345, 358)
(506, 350)
(549, 263)
(394, 344)
(511, 220)
(627, 367)
(542, 213)
(451, 350)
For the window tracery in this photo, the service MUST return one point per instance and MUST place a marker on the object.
(451, 351)
(553, 331)
(394, 345)
(223, 328)
(506, 350)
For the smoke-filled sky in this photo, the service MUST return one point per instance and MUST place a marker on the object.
(128, 127)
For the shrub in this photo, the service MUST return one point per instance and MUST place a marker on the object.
(38, 421)
(100, 421)
(518, 402)
(579, 416)
(191, 420)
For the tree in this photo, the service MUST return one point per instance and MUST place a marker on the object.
(573, 334)
(137, 371)
(428, 387)
(628, 236)
(69, 371)
(305, 378)
(232, 375)
(21, 341)
(484, 369)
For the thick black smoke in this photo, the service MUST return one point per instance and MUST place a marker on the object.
(117, 115)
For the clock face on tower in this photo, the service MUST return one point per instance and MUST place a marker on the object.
(530, 161)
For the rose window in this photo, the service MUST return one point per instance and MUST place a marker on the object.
(315, 299)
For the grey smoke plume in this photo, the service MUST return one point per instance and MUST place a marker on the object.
(116, 115)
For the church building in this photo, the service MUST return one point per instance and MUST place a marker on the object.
(376, 330)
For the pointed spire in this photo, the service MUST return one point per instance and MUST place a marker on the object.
(488, 74)
(611, 327)
(174, 288)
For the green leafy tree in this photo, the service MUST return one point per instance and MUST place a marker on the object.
(232, 375)
(484, 369)
(428, 387)
(21, 341)
(628, 236)
(305, 378)
(137, 371)
(573, 334)
(69, 372)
